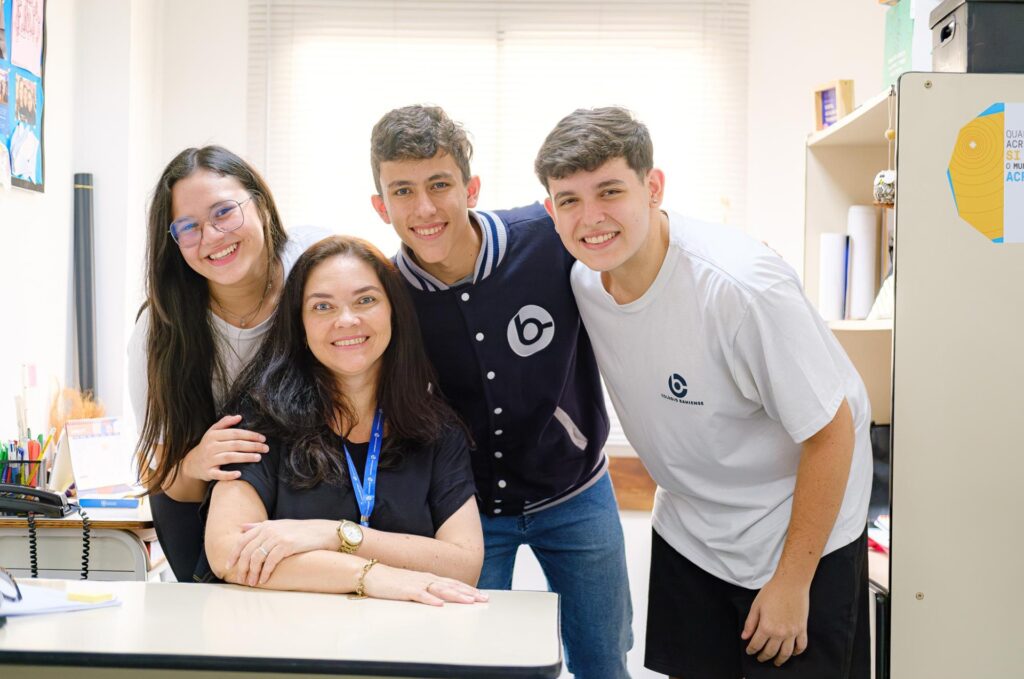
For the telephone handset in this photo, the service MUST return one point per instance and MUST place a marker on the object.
(22, 500)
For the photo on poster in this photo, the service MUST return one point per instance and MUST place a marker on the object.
(3, 29)
(27, 35)
(5, 167)
(25, 155)
(4, 104)
(5, 99)
(25, 100)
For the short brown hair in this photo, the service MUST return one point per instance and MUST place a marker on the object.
(586, 139)
(417, 133)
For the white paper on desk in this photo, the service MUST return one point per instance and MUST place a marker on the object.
(880, 536)
(35, 600)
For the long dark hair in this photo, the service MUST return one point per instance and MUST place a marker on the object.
(182, 357)
(291, 396)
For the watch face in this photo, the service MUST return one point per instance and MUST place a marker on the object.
(353, 533)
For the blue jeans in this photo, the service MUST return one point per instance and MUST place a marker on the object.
(580, 547)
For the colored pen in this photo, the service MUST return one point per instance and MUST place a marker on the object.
(33, 455)
(49, 437)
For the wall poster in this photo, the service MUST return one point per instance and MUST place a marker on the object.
(22, 65)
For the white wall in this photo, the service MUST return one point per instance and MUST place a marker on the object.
(204, 76)
(35, 239)
(794, 47)
(116, 114)
(128, 85)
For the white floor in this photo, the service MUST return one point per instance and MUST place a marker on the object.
(637, 529)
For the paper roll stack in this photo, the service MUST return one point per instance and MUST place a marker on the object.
(832, 276)
(862, 227)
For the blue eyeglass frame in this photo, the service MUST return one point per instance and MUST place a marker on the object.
(209, 220)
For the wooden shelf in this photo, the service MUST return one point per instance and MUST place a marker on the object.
(841, 164)
(862, 326)
(866, 126)
(869, 346)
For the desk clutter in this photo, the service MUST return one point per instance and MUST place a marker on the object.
(92, 463)
(19, 598)
(23, 461)
(85, 464)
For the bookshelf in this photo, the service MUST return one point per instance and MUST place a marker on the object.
(841, 162)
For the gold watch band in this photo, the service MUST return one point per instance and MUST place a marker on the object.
(345, 546)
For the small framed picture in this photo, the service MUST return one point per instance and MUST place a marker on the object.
(832, 101)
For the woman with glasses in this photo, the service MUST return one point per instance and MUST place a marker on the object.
(367, 487)
(216, 259)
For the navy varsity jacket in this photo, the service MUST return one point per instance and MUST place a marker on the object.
(515, 362)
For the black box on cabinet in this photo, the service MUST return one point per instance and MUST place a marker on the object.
(978, 36)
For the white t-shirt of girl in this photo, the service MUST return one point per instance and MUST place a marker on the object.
(235, 346)
(718, 373)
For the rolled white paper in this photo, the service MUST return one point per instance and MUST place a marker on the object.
(862, 227)
(832, 276)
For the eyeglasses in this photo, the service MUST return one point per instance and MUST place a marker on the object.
(226, 216)
(9, 589)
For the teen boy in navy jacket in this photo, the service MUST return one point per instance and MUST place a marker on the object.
(502, 328)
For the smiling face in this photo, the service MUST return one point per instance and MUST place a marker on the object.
(347, 318)
(607, 216)
(224, 259)
(427, 202)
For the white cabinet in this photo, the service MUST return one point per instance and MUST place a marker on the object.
(958, 431)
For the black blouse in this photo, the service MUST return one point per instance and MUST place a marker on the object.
(416, 496)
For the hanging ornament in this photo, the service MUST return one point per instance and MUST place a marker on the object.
(884, 187)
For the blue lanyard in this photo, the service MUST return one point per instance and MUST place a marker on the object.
(365, 490)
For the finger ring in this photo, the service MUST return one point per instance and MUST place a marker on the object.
(427, 588)
(265, 552)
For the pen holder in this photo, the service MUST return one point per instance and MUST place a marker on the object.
(30, 473)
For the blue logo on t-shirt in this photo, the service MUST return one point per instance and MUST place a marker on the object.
(677, 385)
(679, 388)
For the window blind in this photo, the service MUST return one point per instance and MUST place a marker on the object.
(322, 72)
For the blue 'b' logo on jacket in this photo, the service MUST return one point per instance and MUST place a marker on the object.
(530, 330)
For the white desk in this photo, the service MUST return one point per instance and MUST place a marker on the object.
(118, 549)
(189, 630)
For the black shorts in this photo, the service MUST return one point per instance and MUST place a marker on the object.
(694, 620)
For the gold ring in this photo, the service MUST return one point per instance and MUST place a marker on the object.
(262, 549)
(427, 588)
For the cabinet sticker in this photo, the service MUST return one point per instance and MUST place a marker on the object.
(986, 173)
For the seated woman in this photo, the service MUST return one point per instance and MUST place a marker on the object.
(340, 384)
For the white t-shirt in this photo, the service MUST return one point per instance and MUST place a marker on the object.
(235, 346)
(718, 373)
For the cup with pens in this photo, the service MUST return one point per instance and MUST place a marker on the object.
(23, 461)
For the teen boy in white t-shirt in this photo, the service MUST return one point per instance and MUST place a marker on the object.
(743, 407)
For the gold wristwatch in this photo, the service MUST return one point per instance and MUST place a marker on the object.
(351, 536)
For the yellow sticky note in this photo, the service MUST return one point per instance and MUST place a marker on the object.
(90, 597)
